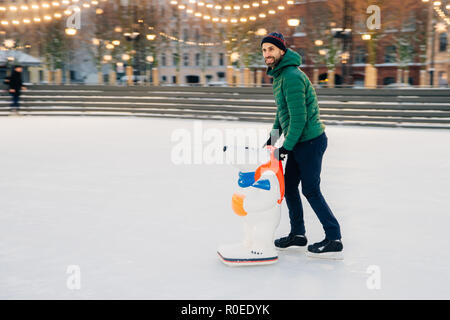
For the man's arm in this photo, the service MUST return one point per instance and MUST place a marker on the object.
(295, 91)
(276, 123)
(275, 132)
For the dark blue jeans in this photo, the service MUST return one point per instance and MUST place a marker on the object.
(15, 100)
(304, 165)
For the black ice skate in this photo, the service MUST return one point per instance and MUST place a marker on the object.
(326, 249)
(291, 241)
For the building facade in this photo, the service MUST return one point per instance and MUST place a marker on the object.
(410, 53)
(188, 50)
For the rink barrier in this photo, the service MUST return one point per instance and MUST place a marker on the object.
(427, 108)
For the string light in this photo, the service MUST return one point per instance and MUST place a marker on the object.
(44, 5)
(233, 20)
(192, 43)
(211, 5)
(187, 42)
(440, 12)
(47, 17)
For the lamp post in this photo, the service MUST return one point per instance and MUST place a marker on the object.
(293, 24)
(70, 32)
(150, 60)
(433, 40)
(128, 69)
(134, 37)
(9, 44)
(370, 72)
(151, 37)
(100, 45)
(431, 35)
(317, 60)
(345, 34)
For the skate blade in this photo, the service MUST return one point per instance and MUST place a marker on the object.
(326, 255)
(247, 262)
(293, 249)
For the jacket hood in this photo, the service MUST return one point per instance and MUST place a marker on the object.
(290, 58)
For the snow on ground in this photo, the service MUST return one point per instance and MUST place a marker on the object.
(103, 194)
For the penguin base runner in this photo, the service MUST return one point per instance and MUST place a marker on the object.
(257, 201)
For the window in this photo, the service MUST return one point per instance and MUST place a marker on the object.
(208, 34)
(174, 13)
(197, 59)
(192, 79)
(175, 59)
(443, 42)
(186, 59)
(360, 55)
(197, 35)
(410, 23)
(185, 34)
(390, 54)
(209, 59)
(221, 59)
(163, 59)
(388, 80)
(301, 27)
(302, 54)
(442, 80)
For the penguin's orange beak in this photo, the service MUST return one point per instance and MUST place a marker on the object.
(237, 203)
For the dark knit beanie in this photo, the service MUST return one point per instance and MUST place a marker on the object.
(276, 39)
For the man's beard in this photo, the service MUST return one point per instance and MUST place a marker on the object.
(274, 63)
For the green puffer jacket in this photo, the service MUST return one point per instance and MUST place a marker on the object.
(297, 108)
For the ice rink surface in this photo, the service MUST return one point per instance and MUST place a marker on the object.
(102, 194)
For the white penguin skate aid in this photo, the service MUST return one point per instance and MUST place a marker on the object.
(258, 201)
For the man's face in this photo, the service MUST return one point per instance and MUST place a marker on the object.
(272, 54)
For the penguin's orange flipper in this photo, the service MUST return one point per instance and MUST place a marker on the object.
(274, 165)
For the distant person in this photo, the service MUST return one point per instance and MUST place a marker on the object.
(297, 117)
(15, 86)
(442, 80)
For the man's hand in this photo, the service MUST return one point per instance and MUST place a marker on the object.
(280, 153)
(268, 142)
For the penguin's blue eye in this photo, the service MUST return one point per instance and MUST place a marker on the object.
(262, 184)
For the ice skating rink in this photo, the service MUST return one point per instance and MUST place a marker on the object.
(94, 208)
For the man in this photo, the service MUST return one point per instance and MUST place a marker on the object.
(15, 86)
(305, 143)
